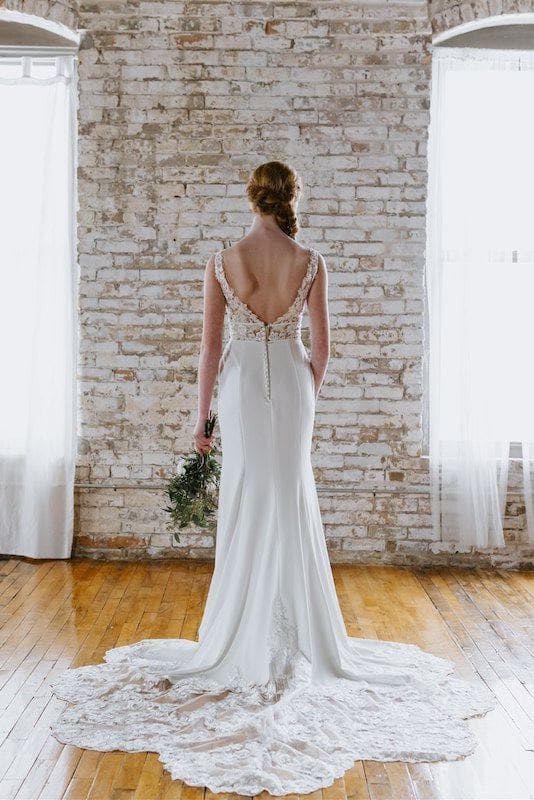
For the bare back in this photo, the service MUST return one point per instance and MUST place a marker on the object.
(266, 272)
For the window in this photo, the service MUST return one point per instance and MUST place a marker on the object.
(38, 296)
(480, 287)
(35, 246)
(482, 234)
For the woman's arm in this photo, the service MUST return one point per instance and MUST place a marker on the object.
(210, 352)
(319, 324)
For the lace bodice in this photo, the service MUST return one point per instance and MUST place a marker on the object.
(245, 324)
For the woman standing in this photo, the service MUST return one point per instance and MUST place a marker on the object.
(275, 695)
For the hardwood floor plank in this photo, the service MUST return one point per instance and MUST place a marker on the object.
(356, 783)
(83, 776)
(57, 614)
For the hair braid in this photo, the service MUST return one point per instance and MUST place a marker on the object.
(274, 188)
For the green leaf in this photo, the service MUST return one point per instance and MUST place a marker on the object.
(193, 491)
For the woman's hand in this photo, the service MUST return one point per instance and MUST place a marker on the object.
(203, 443)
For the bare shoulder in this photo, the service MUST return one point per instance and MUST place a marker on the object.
(250, 245)
(231, 249)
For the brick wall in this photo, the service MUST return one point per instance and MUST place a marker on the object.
(62, 11)
(178, 101)
(445, 14)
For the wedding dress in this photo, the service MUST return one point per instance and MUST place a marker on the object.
(274, 695)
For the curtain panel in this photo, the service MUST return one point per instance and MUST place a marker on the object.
(38, 306)
(480, 287)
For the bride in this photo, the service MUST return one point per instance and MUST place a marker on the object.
(274, 695)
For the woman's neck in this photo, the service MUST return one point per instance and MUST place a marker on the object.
(264, 223)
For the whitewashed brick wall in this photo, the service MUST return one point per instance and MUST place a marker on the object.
(445, 14)
(63, 11)
(178, 102)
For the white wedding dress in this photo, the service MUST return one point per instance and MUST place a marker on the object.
(274, 695)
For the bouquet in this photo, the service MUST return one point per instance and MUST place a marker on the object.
(193, 490)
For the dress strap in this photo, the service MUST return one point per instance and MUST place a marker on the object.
(311, 273)
(220, 275)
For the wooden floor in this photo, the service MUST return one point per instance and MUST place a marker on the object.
(58, 614)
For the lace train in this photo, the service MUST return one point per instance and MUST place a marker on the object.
(286, 737)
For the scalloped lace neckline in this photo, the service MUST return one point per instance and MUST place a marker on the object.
(247, 308)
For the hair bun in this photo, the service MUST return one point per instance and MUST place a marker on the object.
(273, 188)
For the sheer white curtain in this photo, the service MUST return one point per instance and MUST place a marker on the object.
(38, 318)
(480, 286)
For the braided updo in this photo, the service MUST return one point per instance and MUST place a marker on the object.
(274, 188)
